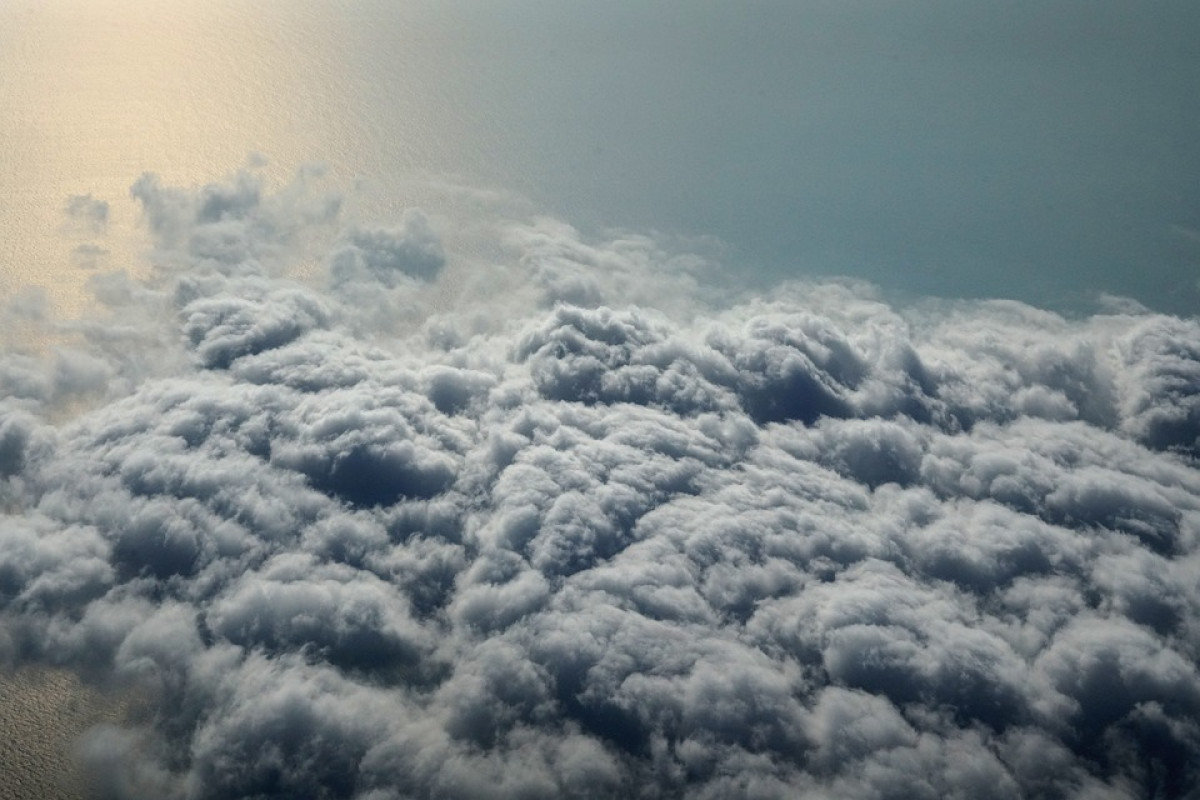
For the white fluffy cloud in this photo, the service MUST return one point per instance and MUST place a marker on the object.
(567, 523)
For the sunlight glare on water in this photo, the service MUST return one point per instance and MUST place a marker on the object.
(95, 93)
(1041, 153)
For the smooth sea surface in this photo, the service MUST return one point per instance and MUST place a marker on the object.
(1044, 152)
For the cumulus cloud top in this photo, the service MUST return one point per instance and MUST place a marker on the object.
(587, 530)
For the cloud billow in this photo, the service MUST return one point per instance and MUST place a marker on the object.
(592, 535)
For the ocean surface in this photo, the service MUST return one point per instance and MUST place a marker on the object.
(1043, 152)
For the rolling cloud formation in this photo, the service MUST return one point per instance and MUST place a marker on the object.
(371, 519)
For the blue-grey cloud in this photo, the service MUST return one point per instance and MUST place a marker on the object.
(86, 213)
(584, 527)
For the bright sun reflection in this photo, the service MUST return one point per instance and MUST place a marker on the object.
(97, 92)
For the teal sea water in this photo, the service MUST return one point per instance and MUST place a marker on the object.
(1040, 152)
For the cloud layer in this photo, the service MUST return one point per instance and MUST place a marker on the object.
(569, 521)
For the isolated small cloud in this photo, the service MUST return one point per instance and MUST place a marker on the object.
(89, 256)
(591, 530)
(87, 214)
